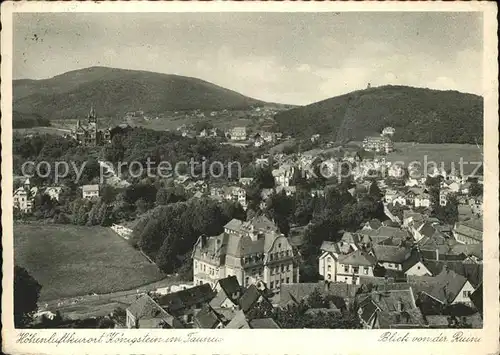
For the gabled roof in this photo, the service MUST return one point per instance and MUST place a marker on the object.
(149, 313)
(413, 259)
(392, 254)
(359, 258)
(206, 318)
(90, 188)
(444, 287)
(187, 298)
(263, 323)
(477, 298)
(239, 321)
(249, 298)
(230, 285)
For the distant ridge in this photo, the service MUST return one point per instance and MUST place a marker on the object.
(418, 114)
(116, 91)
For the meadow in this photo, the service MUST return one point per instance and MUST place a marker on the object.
(442, 154)
(71, 261)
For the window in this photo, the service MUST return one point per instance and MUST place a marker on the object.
(329, 267)
(287, 280)
(277, 283)
(366, 271)
(355, 269)
(282, 267)
(288, 267)
(345, 279)
(466, 293)
(346, 268)
(272, 284)
(418, 267)
(247, 280)
(279, 246)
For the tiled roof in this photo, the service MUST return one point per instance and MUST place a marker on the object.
(392, 254)
(443, 287)
(206, 318)
(150, 314)
(239, 321)
(187, 298)
(230, 285)
(477, 298)
(249, 298)
(358, 257)
(264, 323)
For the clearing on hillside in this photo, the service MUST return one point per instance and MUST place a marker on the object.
(72, 260)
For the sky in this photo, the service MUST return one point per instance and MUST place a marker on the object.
(294, 58)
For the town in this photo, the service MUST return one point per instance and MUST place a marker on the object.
(313, 234)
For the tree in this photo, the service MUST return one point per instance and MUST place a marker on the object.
(264, 178)
(374, 191)
(166, 258)
(316, 300)
(26, 294)
(475, 189)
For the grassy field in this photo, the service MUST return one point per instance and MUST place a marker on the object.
(70, 260)
(440, 153)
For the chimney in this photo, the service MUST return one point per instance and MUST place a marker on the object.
(203, 241)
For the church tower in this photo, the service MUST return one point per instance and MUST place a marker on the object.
(92, 127)
(92, 115)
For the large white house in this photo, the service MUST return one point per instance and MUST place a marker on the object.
(253, 251)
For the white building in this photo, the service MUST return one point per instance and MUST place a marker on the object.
(90, 191)
(252, 251)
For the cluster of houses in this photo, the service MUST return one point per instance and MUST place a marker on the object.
(24, 196)
(381, 143)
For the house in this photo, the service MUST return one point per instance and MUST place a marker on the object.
(446, 288)
(246, 181)
(372, 224)
(388, 131)
(389, 308)
(228, 293)
(351, 266)
(90, 191)
(378, 144)
(424, 229)
(422, 200)
(237, 134)
(288, 190)
(415, 266)
(251, 251)
(251, 298)
(391, 257)
(54, 192)
(330, 252)
(186, 303)
(207, 318)
(147, 313)
(450, 185)
(24, 197)
(230, 193)
(469, 231)
(294, 293)
(283, 175)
